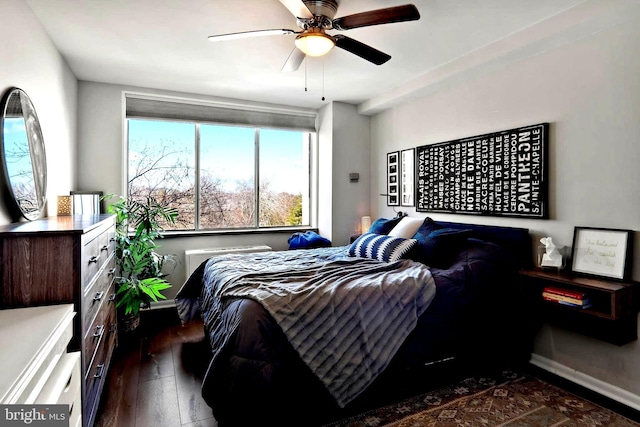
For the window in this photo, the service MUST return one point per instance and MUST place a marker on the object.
(227, 171)
(162, 165)
(284, 178)
(221, 176)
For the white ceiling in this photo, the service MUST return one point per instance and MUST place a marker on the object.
(163, 44)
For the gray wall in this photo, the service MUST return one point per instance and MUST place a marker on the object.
(31, 62)
(588, 89)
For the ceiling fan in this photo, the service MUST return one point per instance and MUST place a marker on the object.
(314, 17)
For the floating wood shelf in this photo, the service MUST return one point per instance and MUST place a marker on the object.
(612, 316)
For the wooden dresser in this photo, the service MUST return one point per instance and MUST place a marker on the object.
(36, 367)
(67, 259)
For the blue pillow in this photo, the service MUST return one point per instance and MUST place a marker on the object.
(383, 225)
(439, 248)
(381, 247)
(307, 240)
(427, 227)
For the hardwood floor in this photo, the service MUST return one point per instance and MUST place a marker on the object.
(156, 376)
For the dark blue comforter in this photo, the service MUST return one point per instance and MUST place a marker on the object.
(256, 374)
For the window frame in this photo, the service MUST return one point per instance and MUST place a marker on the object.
(312, 138)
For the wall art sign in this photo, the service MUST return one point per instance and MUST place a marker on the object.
(407, 177)
(501, 174)
(602, 252)
(393, 179)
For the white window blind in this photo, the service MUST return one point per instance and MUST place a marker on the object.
(168, 109)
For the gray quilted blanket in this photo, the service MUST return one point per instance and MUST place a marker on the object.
(346, 317)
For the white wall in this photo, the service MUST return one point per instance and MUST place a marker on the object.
(351, 153)
(325, 171)
(589, 90)
(344, 141)
(31, 62)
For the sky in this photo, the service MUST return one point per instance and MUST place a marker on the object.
(228, 151)
(15, 140)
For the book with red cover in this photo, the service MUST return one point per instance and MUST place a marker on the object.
(561, 298)
(565, 292)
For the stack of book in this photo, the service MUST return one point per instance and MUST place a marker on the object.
(566, 297)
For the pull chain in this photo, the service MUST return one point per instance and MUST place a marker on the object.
(323, 78)
(305, 74)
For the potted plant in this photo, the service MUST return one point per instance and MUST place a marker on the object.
(140, 280)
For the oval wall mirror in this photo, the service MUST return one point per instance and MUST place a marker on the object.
(23, 154)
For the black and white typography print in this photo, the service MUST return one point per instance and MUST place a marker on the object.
(502, 174)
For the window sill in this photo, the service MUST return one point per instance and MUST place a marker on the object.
(229, 232)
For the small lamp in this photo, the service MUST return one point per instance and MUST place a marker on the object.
(64, 205)
(365, 224)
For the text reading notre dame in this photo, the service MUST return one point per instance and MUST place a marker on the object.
(502, 173)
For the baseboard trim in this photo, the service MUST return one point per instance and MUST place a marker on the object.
(613, 392)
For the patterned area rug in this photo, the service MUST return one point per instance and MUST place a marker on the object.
(510, 400)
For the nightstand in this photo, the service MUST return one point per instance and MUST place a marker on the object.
(611, 315)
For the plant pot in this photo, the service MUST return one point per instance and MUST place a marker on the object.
(130, 322)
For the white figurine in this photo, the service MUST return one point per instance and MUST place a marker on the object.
(552, 257)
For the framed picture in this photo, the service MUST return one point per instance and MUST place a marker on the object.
(602, 252)
(393, 179)
(499, 174)
(407, 178)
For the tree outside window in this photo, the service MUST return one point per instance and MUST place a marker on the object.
(174, 162)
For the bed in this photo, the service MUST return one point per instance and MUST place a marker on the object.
(301, 337)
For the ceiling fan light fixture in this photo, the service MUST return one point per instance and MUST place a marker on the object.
(315, 43)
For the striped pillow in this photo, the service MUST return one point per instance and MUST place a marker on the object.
(381, 247)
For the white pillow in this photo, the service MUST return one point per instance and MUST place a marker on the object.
(406, 228)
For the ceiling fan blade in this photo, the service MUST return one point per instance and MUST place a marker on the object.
(294, 60)
(361, 49)
(247, 34)
(297, 8)
(388, 15)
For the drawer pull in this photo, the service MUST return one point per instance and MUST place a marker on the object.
(112, 239)
(98, 296)
(112, 298)
(99, 331)
(104, 248)
(68, 386)
(94, 258)
(100, 371)
(112, 271)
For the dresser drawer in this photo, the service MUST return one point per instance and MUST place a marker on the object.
(63, 382)
(64, 387)
(100, 326)
(101, 289)
(90, 263)
(97, 372)
(108, 241)
(97, 246)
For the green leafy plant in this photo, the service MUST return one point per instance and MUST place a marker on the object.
(138, 225)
